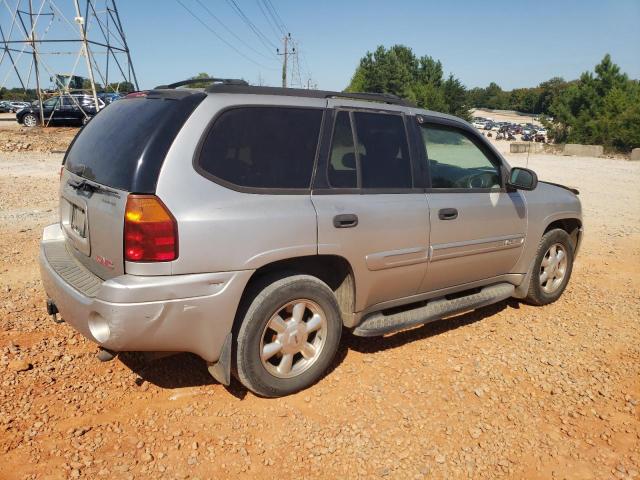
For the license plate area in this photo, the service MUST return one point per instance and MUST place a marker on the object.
(75, 223)
(79, 221)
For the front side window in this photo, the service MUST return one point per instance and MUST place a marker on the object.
(263, 147)
(456, 162)
(51, 103)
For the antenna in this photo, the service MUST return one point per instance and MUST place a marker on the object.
(71, 45)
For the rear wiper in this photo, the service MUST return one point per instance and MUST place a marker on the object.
(84, 186)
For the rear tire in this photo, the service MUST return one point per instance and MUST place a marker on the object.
(551, 268)
(288, 336)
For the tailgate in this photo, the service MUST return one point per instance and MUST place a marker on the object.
(92, 220)
(120, 150)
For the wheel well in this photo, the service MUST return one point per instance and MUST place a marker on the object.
(333, 270)
(570, 225)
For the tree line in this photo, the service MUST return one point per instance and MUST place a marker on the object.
(601, 107)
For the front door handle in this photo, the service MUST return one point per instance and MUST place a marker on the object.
(447, 214)
(345, 220)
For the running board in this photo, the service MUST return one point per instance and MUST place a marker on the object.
(378, 324)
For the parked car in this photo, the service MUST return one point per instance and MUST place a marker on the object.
(110, 97)
(17, 106)
(75, 109)
(527, 137)
(5, 107)
(141, 93)
(243, 224)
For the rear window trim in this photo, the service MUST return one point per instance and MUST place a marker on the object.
(256, 190)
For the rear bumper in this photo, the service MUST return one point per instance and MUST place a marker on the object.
(179, 313)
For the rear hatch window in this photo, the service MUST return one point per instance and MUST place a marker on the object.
(125, 144)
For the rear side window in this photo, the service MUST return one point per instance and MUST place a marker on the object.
(342, 171)
(124, 145)
(383, 151)
(262, 147)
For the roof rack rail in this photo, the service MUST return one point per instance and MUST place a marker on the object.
(223, 81)
(302, 92)
(373, 97)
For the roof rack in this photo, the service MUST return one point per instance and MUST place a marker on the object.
(191, 81)
(301, 92)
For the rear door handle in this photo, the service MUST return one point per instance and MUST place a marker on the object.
(447, 214)
(345, 220)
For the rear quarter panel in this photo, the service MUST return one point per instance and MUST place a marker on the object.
(221, 229)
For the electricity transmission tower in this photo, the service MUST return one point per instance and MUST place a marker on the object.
(64, 46)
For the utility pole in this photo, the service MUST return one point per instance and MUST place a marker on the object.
(285, 54)
(32, 37)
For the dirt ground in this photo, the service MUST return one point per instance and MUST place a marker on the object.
(508, 391)
(16, 138)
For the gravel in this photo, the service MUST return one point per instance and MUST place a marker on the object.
(509, 391)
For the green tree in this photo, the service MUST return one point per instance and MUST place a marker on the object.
(601, 108)
(398, 71)
(200, 84)
(121, 87)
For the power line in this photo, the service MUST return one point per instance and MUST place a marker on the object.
(234, 34)
(273, 26)
(276, 15)
(222, 39)
(261, 36)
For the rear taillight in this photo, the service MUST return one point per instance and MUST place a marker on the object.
(150, 231)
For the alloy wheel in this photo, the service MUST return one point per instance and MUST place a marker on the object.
(293, 339)
(553, 268)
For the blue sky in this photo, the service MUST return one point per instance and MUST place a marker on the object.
(517, 44)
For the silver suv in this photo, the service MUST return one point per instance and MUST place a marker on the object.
(250, 225)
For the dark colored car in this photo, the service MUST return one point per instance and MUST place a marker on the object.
(75, 109)
(527, 137)
(110, 97)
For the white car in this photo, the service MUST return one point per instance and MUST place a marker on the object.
(479, 125)
(15, 106)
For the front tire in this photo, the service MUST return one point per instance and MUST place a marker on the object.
(288, 336)
(30, 120)
(551, 268)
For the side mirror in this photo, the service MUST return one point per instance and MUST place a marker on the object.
(522, 179)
